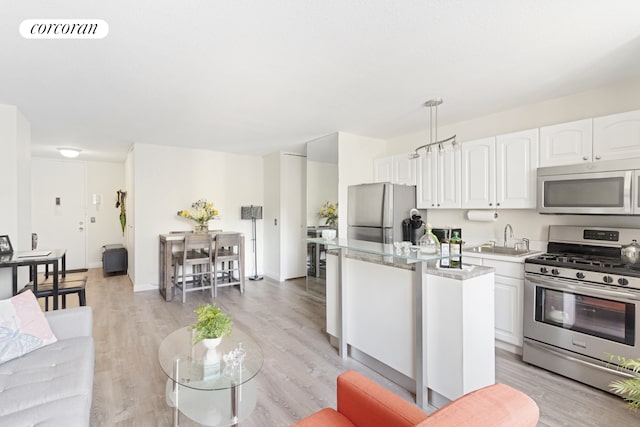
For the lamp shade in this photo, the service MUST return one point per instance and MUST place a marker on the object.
(69, 152)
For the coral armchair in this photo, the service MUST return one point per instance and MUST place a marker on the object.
(363, 403)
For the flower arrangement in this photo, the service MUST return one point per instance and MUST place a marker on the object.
(201, 212)
(330, 212)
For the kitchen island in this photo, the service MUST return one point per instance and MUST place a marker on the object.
(430, 330)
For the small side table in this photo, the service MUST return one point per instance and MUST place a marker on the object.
(114, 259)
(221, 400)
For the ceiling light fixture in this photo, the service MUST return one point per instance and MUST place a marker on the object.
(434, 132)
(69, 152)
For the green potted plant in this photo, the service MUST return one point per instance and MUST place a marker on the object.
(212, 324)
(628, 388)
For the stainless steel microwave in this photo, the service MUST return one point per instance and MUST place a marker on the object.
(600, 188)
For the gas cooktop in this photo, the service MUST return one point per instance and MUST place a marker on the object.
(588, 263)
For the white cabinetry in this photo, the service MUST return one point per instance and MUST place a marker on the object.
(636, 192)
(439, 180)
(566, 143)
(616, 136)
(516, 163)
(478, 173)
(508, 294)
(500, 171)
(397, 169)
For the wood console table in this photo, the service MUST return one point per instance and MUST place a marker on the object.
(165, 267)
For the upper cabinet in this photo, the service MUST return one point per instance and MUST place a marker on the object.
(397, 169)
(616, 136)
(478, 173)
(499, 172)
(591, 140)
(516, 164)
(566, 143)
(439, 179)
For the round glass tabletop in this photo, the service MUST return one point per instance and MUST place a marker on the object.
(237, 359)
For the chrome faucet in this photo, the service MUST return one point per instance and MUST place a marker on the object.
(507, 227)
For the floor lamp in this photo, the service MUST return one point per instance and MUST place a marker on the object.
(253, 213)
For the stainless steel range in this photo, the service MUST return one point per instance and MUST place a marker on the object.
(582, 304)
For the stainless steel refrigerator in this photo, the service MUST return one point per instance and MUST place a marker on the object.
(375, 211)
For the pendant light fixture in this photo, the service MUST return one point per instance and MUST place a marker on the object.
(433, 131)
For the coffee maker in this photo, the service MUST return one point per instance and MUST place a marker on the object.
(413, 227)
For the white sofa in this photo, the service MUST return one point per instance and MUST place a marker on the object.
(53, 385)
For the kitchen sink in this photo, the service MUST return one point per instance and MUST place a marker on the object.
(498, 250)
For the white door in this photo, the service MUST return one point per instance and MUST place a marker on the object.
(294, 228)
(478, 173)
(58, 207)
(516, 163)
(616, 136)
(566, 143)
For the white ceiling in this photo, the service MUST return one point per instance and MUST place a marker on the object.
(256, 76)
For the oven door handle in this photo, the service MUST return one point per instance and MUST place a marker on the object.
(592, 291)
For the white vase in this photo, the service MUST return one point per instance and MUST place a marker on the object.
(211, 361)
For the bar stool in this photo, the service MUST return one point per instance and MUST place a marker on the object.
(196, 255)
(228, 249)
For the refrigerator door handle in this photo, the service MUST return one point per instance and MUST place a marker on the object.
(384, 212)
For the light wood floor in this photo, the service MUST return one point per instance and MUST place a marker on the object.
(300, 367)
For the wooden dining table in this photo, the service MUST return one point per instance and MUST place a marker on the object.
(170, 241)
(57, 258)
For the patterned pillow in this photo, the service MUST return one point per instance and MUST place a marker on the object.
(23, 327)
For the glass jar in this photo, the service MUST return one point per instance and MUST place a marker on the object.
(428, 243)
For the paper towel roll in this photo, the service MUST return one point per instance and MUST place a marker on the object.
(487, 216)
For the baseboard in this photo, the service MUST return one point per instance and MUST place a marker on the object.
(509, 347)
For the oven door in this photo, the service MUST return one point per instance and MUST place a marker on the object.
(586, 319)
(586, 193)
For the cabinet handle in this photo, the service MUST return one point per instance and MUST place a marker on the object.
(597, 157)
(438, 204)
(585, 158)
(498, 204)
(432, 204)
(490, 204)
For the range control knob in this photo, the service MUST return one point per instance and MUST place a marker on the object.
(607, 279)
(622, 281)
(555, 271)
(580, 275)
(544, 270)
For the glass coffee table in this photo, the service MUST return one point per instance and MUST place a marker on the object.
(219, 395)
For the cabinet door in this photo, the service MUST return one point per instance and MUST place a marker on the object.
(508, 309)
(636, 192)
(448, 179)
(404, 169)
(427, 174)
(383, 169)
(516, 163)
(616, 136)
(566, 143)
(478, 173)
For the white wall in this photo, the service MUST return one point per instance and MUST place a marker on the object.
(168, 179)
(15, 192)
(355, 165)
(103, 179)
(528, 223)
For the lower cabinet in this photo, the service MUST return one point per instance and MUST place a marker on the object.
(508, 304)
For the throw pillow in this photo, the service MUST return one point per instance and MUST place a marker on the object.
(23, 327)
